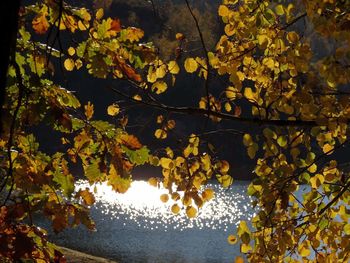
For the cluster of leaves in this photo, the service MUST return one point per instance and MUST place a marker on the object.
(33, 181)
(276, 71)
(270, 75)
(189, 171)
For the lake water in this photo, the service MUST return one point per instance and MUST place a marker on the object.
(138, 227)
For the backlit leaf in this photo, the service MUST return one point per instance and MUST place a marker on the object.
(190, 65)
(113, 110)
(69, 64)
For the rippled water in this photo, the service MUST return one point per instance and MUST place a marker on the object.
(138, 227)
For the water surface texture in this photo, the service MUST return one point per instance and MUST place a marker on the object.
(138, 227)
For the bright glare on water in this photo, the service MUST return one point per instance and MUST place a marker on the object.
(136, 227)
(142, 204)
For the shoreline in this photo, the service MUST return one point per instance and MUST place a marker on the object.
(75, 256)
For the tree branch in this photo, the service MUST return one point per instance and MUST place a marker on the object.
(335, 199)
(225, 116)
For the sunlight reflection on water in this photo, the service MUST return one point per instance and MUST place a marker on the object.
(141, 204)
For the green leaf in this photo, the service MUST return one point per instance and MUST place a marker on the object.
(66, 182)
(137, 157)
(92, 172)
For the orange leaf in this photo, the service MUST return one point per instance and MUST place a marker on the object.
(88, 197)
(130, 72)
(115, 25)
(40, 24)
(89, 110)
(131, 141)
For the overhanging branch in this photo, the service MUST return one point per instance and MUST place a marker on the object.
(224, 116)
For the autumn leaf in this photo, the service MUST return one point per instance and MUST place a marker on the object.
(191, 212)
(190, 65)
(179, 36)
(130, 141)
(87, 196)
(175, 209)
(164, 198)
(232, 239)
(89, 110)
(99, 13)
(40, 24)
(69, 64)
(113, 110)
(134, 34)
(159, 87)
(115, 25)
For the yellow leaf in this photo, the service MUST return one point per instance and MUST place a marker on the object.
(137, 97)
(225, 180)
(239, 260)
(231, 239)
(328, 149)
(223, 10)
(279, 10)
(179, 36)
(78, 63)
(248, 93)
(202, 104)
(99, 13)
(191, 211)
(292, 37)
(208, 194)
(190, 65)
(245, 248)
(166, 163)
(251, 150)
(262, 39)
(312, 168)
(164, 198)
(71, 51)
(113, 110)
(69, 64)
(175, 209)
(83, 26)
(134, 34)
(228, 107)
(153, 181)
(171, 124)
(159, 87)
(282, 141)
(173, 67)
(247, 139)
(161, 71)
(169, 152)
(160, 134)
(231, 93)
(347, 229)
(84, 13)
(304, 251)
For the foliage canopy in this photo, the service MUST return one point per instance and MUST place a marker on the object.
(266, 70)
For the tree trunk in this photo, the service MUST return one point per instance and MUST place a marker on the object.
(9, 27)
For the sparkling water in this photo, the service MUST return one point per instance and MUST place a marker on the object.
(138, 227)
